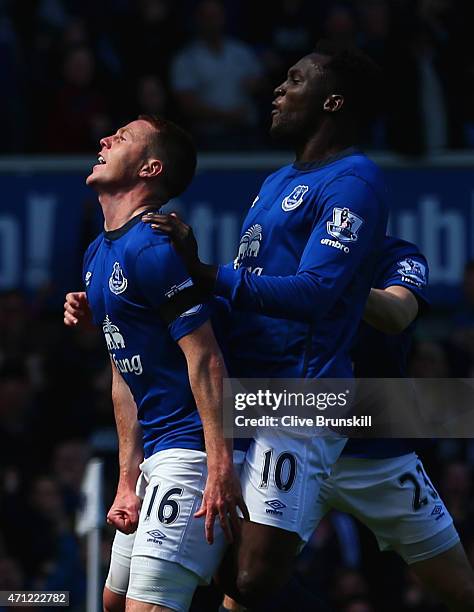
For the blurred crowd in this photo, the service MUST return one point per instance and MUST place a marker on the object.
(56, 413)
(73, 70)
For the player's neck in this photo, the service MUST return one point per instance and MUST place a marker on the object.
(119, 208)
(324, 143)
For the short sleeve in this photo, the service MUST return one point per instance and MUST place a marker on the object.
(410, 271)
(160, 275)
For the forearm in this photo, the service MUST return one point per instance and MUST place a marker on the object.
(390, 312)
(300, 297)
(206, 374)
(128, 432)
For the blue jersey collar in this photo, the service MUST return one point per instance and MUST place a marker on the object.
(121, 231)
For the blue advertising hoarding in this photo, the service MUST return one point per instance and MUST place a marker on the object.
(46, 221)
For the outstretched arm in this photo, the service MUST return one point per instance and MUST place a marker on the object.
(326, 267)
(206, 370)
(124, 511)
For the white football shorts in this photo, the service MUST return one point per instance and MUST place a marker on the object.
(282, 476)
(396, 500)
(171, 485)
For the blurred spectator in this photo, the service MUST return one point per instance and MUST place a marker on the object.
(15, 415)
(68, 467)
(12, 81)
(348, 585)
(78, 110)
(340, 25)
(283, 31)
(214, 79)
(415, 598)
(11, 576)
(424, 47)
(429, 360)
(456, 492)
(52, 546)
(463, 320)
(358, 605)
(15, 325)
(149, 37)
(151, 96)
(425, 78)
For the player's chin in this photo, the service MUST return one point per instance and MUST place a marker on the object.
(280, 130)
(94, 177)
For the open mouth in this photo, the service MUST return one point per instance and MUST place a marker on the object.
(101, 160)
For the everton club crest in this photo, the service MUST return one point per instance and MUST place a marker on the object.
(295, 198)
(117, 281)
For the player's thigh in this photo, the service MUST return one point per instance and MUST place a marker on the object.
(116, 584)
(156, 583)
(396, 500)
(450, 575)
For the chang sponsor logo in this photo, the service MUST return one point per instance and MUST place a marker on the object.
(115, 341)
(249, 244)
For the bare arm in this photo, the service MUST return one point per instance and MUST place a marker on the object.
(390, 310)
(124, 511)
(206, 370)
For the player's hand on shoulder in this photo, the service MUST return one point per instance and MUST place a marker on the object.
(76, 309)
(180, 233)
(222, 496)
(124, 512)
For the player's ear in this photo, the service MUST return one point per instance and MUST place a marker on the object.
(151, 168)
(333, 103)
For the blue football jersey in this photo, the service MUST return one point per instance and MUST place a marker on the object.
(304, 267)
(379, 355)
(129, 274)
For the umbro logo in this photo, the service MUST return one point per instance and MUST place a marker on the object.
(276, 506)
(437, 511)
(156, 536)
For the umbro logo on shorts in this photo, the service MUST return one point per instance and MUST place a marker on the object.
(156, 536)
(276, 505)
(438, 511)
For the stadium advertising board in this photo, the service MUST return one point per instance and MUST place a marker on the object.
(46, 220)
